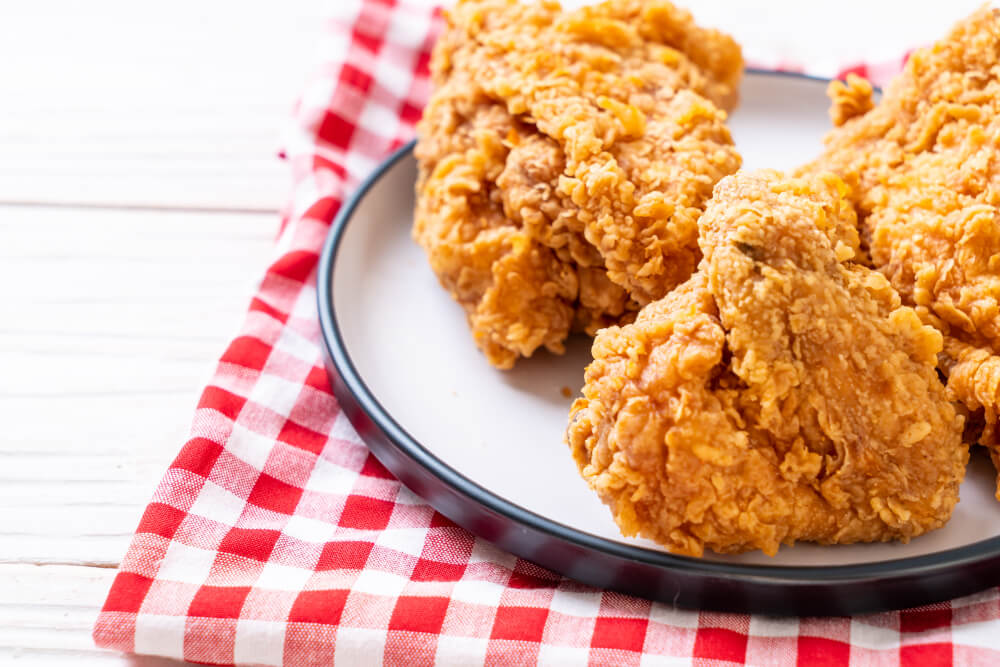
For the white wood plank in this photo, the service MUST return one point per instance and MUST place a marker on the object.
(47, 615)
(113, 321)
(116, 102)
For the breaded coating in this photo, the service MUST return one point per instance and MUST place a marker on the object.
(925, 164)
(780, 394)
(849, 98)
(564, 160)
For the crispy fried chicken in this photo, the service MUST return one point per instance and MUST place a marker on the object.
(564, 160)
(782, 393)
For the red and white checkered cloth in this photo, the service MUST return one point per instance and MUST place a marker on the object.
(276, 538)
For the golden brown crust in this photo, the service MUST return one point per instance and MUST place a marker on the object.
(780, 394)
(973, 372)
(849, 98)
(587, 142)
(925, 164)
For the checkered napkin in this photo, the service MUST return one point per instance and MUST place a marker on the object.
(276, 538)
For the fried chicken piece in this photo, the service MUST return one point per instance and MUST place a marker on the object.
(782, 393)
(564, 160)
(925, 164)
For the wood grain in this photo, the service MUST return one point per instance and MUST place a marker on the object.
(47, 614)
(138, 188)
(121, 103)
(113, 321)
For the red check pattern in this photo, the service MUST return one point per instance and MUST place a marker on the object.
(275, 538)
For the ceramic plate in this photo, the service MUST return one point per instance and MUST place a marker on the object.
(485, 447)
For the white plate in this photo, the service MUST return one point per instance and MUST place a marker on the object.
(406, 345)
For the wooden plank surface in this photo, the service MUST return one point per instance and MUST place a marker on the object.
(110, 331)
(113, 321)
(47, 613)
(138, 189)
(129, 103)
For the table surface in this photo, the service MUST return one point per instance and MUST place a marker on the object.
(139, 189)
(139, 186)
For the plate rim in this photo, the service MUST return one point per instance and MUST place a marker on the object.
(349, 385)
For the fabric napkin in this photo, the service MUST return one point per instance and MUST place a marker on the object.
(276, 538)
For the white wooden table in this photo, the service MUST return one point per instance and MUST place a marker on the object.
(139, 185)
(138, 196)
